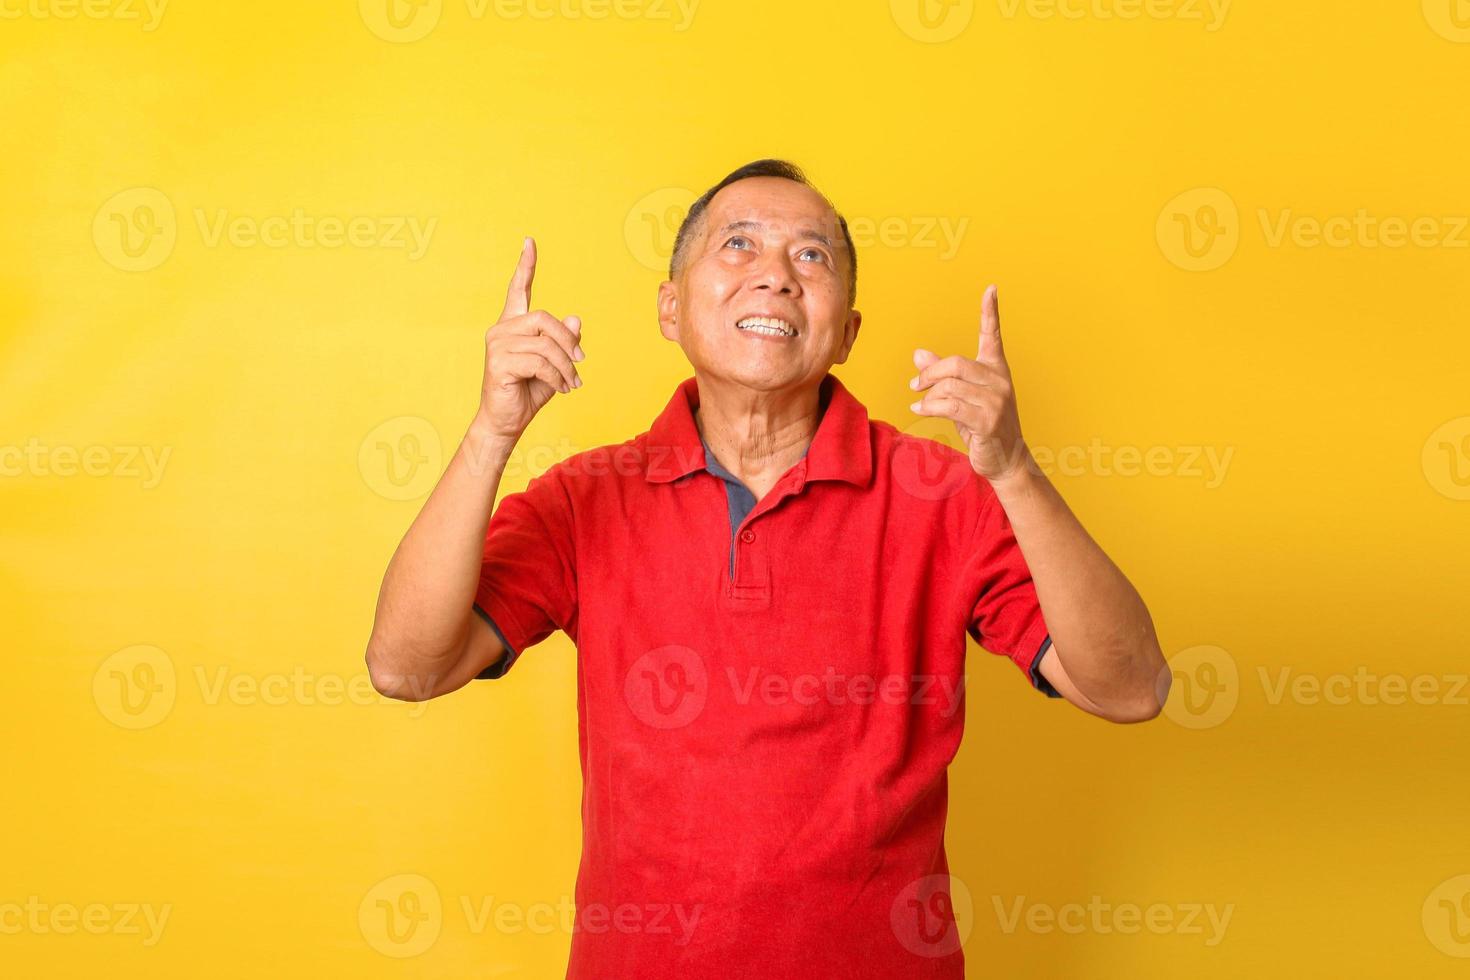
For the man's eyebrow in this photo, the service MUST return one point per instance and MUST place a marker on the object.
(746, 224)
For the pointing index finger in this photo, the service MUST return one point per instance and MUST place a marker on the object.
(518, 295)
(990, 343)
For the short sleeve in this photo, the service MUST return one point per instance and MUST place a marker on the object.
(528, 574)
(1004, 614)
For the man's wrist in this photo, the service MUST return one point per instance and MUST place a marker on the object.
(485, 448)
(1020, 480)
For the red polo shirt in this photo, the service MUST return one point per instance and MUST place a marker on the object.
(767, 711)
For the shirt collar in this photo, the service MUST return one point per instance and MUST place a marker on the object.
(841, 449)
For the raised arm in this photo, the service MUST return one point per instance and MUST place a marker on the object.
(1105, 656)
(426, 639)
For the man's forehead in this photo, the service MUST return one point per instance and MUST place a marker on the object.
(795, 210)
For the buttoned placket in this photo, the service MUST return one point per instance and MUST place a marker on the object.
(749, 577)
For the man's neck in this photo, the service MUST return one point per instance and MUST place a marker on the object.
(757, 435)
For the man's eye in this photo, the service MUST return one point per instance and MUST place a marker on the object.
(737, 238)
(816, 253)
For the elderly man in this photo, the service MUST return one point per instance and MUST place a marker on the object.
(769, 593)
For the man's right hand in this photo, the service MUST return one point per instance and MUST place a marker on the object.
(528, 356)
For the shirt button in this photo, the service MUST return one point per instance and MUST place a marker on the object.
(747, 536)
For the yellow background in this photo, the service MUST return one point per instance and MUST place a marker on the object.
(272, 816)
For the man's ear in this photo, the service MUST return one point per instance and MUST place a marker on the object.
(854, 323)
(668, 311)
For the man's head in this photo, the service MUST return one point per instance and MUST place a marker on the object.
(762, 243)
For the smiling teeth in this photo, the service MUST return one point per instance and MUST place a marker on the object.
(767, 325)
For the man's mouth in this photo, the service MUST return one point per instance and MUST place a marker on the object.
(768, 326)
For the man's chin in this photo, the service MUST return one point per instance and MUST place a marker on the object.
(761, 375)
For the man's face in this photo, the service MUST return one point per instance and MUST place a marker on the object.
(768, 248)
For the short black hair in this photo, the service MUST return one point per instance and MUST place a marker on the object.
(757, 168)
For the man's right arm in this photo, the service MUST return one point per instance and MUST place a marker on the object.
(426, 638)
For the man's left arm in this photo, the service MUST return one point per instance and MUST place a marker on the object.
(1105, 655)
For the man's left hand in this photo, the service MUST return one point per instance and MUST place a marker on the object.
(977, 396)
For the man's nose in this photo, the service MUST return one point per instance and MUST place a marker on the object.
(776, 273)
